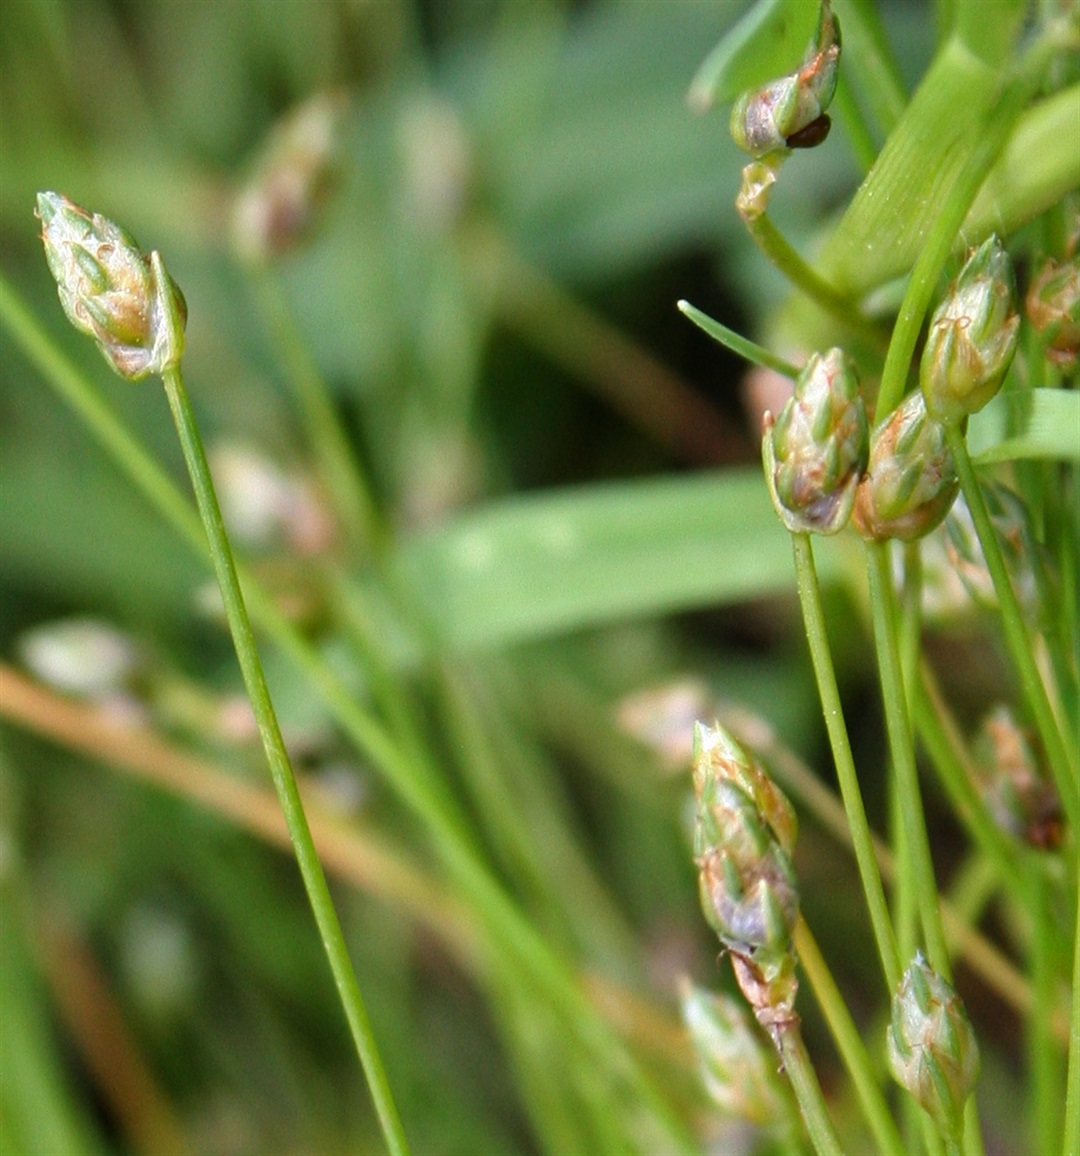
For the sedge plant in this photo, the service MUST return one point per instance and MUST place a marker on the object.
(924, 458)
(897, 482)
(127, 302)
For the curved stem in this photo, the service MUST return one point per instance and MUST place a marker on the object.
(281, 772)
(802, 276)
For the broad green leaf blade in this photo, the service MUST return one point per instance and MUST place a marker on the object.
(887, 222)
(1049, 420)
(988, 27)
(767, 42)
(1038, 166)
(533, 566)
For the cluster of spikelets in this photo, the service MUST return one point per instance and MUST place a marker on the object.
(827, 465)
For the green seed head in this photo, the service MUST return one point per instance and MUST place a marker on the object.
(910, 482)
(1022, 801)
(790, 112)
(719, 759)
(973, 336)
(744, 832)
(278, 206)
(111, 290)
(1053, 307)
(737, 1069)
(815, 452)
(1025, 557)
(933, 1053)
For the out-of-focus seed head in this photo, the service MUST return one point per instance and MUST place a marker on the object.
(738, 1071)
(111, 290)
(82, 656)
(662, 719)
(790, 112)
(932, 1049)
(437, 164)
(815, 452)
(264, 506)
(910, 481)
(1053, 308)
(279, 204)
(1023, 802)
(973, 336)
(1025, 557)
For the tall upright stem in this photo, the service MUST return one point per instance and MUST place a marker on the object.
(281, 772)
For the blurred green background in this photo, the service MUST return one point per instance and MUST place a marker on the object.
(569, 477)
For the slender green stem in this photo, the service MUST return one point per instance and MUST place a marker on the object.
(307, 858)
(829, 693)
(743, 346)
(902, 752)
(848, 1040)
(1044, 1060)
(804, 1083)
(804, 277)
(1062, 757)
(1070, 1137)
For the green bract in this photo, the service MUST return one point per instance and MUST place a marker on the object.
(910, 482)
(972, 337)
(111, 290)
(932, 1048)
(815, 452)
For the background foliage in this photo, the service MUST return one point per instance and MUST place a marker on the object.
(571, 484)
